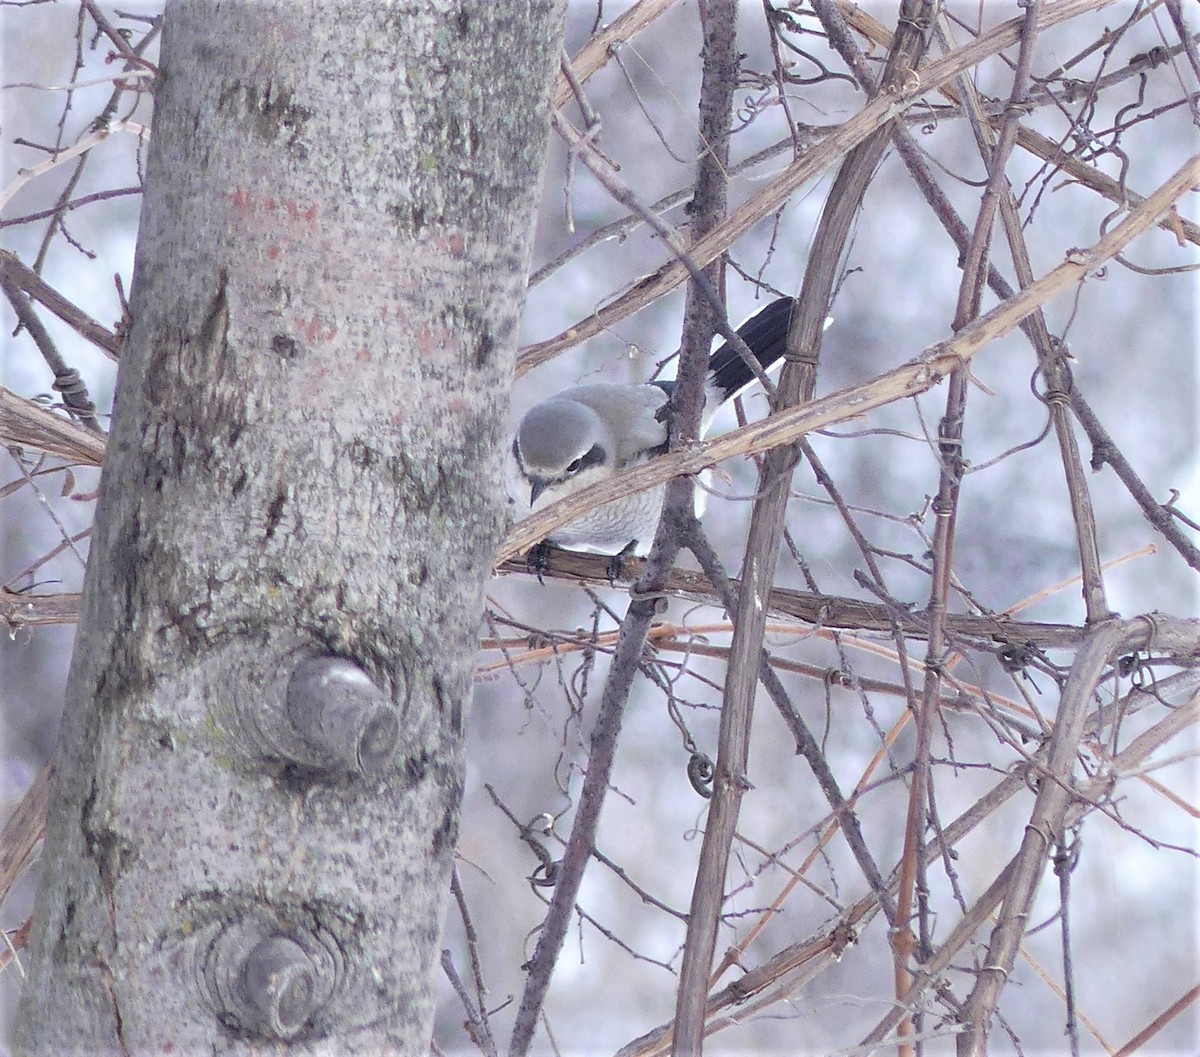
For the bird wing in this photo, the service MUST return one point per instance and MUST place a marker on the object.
(632, 414)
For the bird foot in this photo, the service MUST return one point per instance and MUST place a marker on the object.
(616, 563)
(537, 560)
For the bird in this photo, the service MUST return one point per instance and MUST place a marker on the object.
(587, 433)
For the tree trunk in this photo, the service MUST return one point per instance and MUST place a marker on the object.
(250, 839)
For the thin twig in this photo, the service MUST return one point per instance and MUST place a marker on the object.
(85, 144)
(26, 279)
(596, 52)
(74, 203)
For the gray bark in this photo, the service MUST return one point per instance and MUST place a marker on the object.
(303, 464)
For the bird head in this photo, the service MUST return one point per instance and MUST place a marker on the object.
(560, 445)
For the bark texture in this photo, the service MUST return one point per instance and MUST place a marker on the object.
(303, 462)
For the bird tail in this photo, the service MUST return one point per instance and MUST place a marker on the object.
(765, 333)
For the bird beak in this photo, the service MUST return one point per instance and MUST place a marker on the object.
(536, 487)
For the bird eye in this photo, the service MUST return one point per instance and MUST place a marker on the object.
(594, 456)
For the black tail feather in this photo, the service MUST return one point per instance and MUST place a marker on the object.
(765, 333)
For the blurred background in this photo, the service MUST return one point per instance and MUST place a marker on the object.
(1132, 333)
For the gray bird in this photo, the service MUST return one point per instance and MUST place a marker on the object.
(589, 432)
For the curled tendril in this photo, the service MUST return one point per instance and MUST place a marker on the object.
(545, 874)
(700, 772)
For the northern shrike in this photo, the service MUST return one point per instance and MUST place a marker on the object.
(589, 432)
